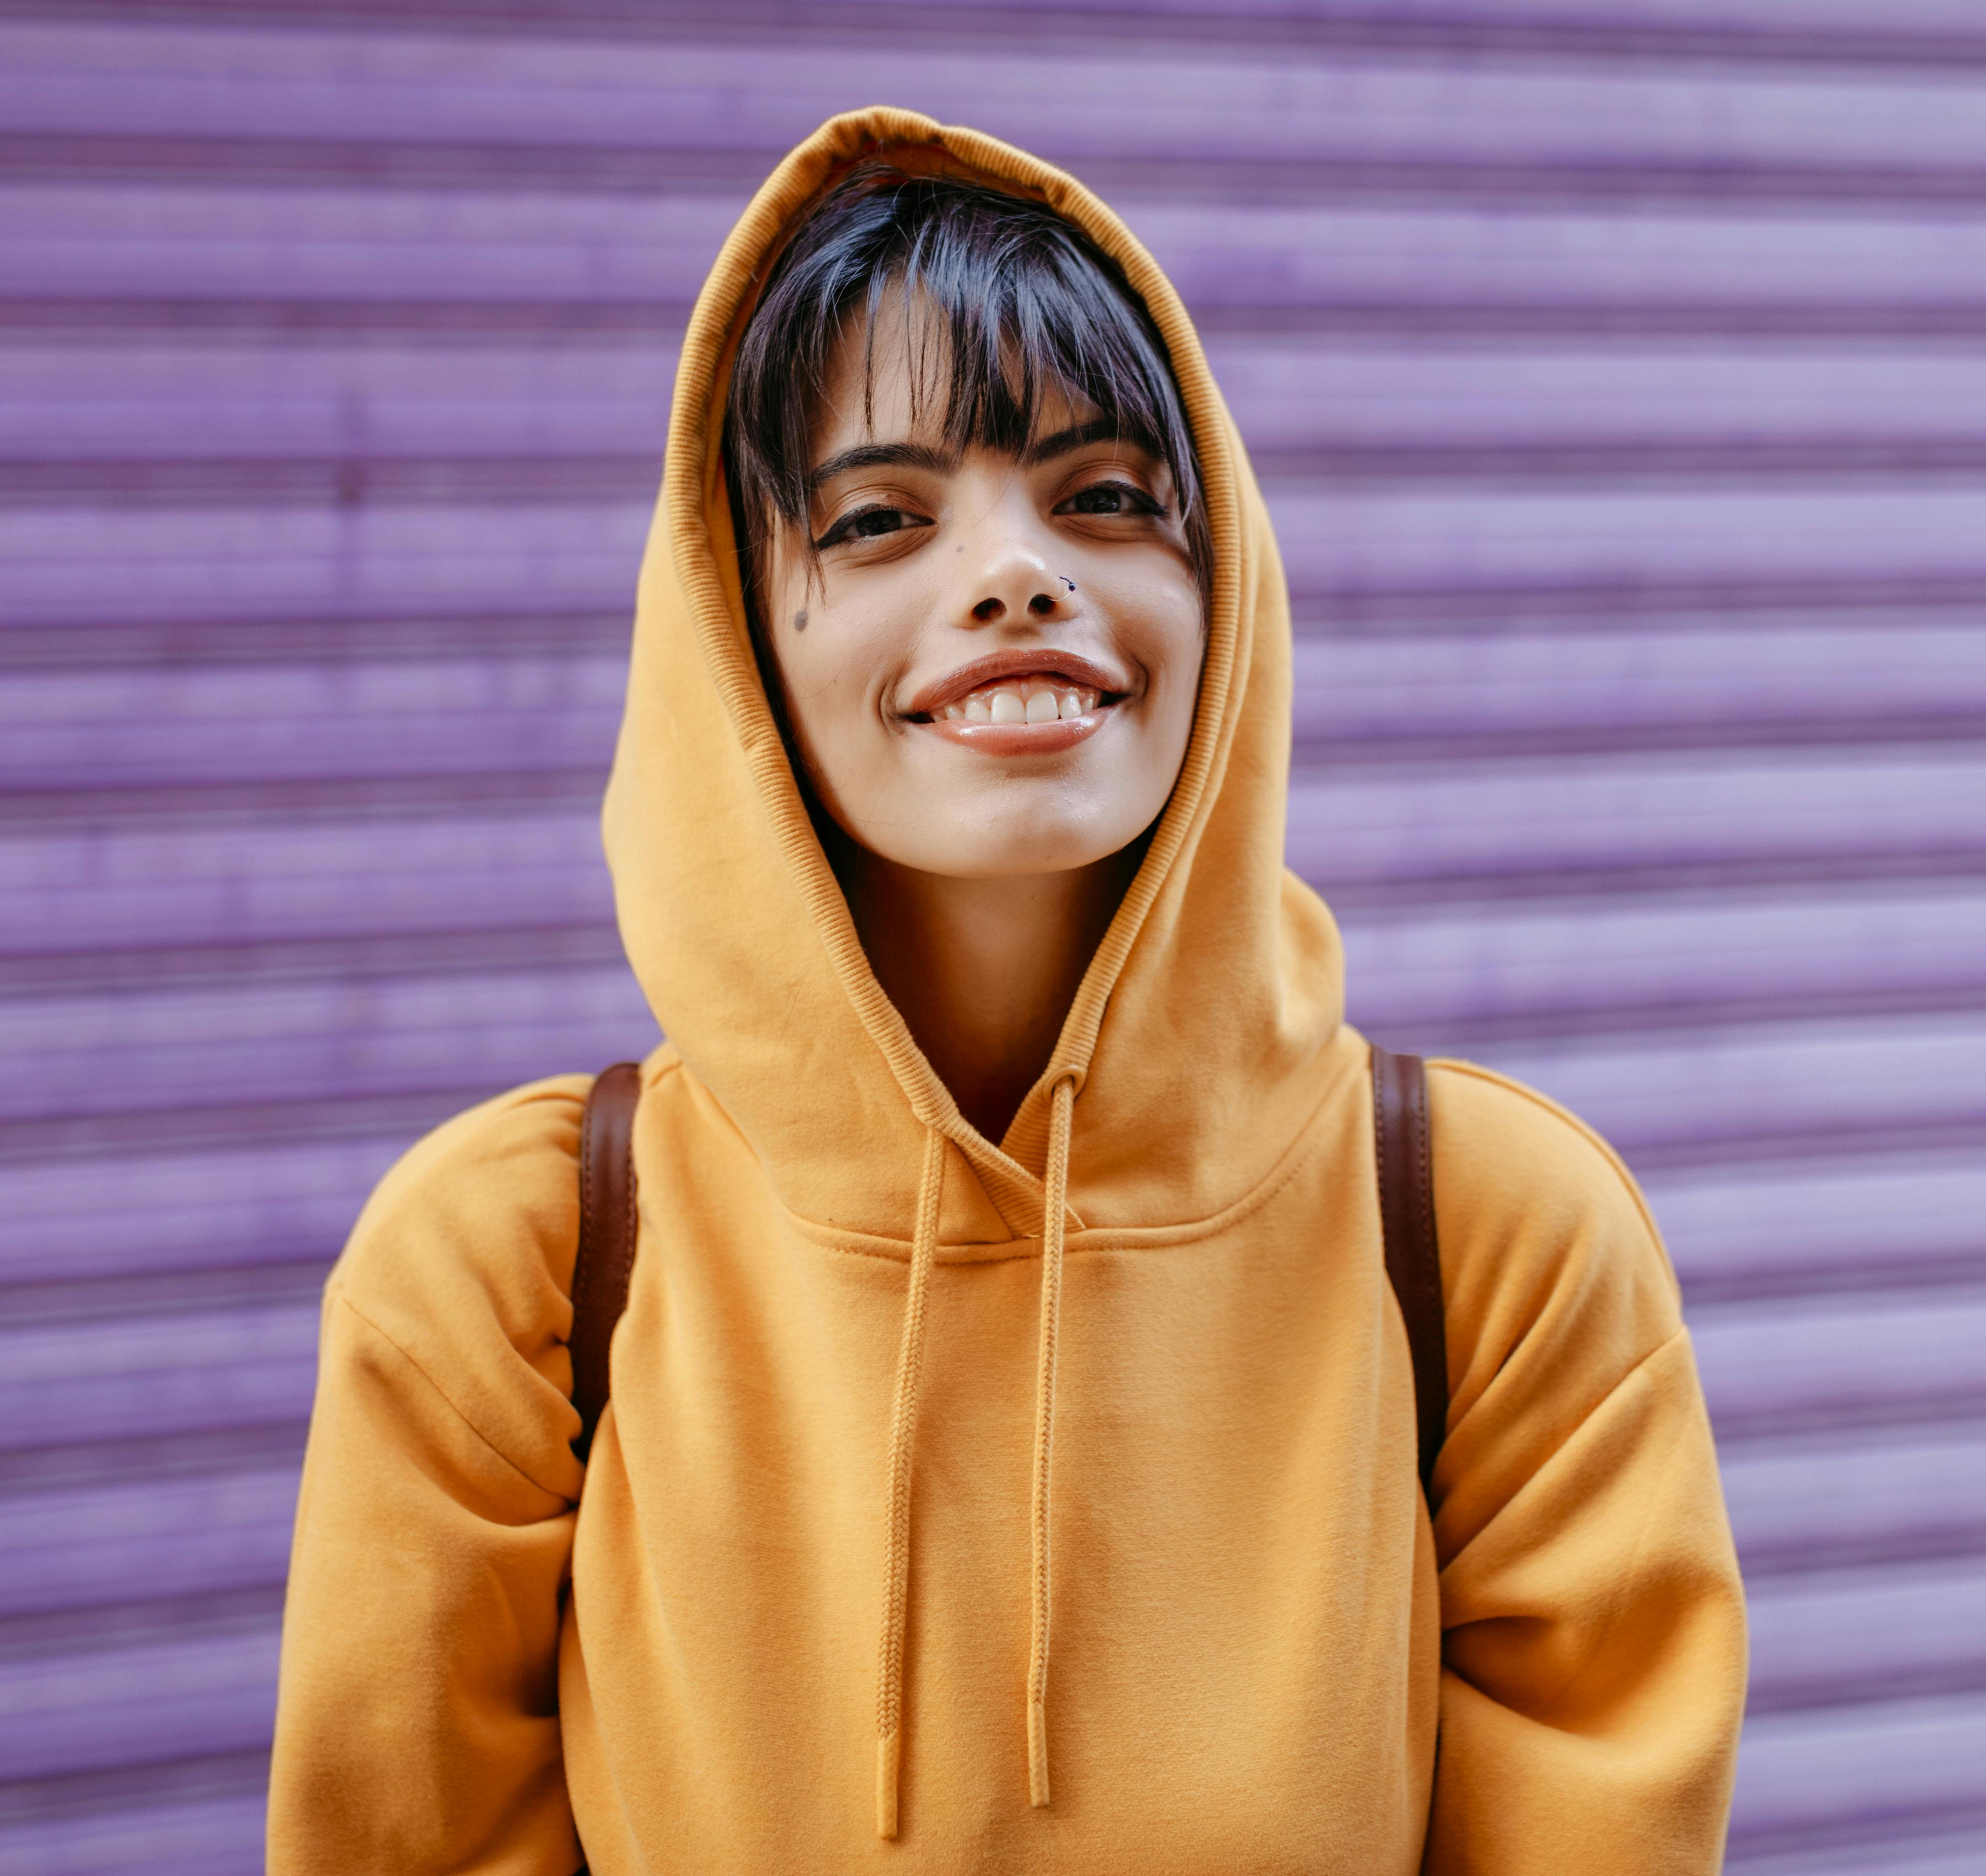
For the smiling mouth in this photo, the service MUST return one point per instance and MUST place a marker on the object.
(1014, 710)
(1018, 700)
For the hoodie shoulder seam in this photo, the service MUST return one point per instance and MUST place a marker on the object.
(442, 1393)
(1640, 1366)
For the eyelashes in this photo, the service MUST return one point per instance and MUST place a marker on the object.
(875, 519)
(1111, 497)
(869, 524)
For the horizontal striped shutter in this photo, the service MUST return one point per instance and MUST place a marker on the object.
(1616, 370)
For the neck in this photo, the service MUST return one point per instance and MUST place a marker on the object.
(983, 970)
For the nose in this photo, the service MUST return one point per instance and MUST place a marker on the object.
(1019, 586)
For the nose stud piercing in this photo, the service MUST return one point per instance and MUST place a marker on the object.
(1041, 606)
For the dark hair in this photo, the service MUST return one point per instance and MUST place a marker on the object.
(1027, 303)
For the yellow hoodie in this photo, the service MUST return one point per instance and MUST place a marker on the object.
(807, 1597)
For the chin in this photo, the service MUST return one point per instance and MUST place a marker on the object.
(1015, 847)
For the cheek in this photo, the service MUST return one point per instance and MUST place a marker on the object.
(818, 697)
(831, 670)
(1169, 638)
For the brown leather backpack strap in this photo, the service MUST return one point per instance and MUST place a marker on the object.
(1413, 1249)
(606, 1259)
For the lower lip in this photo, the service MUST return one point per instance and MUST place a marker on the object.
(1019, 739)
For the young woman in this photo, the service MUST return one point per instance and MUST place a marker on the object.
(1010, 1462)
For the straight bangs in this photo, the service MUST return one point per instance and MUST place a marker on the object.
(1005, 304)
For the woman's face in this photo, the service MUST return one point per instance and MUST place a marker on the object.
(992, 667)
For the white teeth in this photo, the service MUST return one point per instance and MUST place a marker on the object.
(1029, 700)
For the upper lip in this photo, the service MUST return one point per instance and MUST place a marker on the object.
(1041, 661)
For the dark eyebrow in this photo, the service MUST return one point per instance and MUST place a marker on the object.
(881, 456)
(1098, 429)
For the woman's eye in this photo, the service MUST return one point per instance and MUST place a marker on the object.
(870, 524)
(1109, 498)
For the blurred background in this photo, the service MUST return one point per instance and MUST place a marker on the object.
(1616, 372)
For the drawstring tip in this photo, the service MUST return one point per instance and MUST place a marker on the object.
(889, 1751)
(1038, 1754)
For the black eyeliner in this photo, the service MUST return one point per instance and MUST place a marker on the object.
(839, 532)
(1142, 499)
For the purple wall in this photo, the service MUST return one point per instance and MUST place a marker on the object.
(1617, 371)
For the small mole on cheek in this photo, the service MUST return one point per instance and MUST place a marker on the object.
(800, 620)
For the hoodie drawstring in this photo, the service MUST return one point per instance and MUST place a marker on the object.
(903, 1439)
(1054, 1205)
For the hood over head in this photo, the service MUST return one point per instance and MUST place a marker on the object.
(1217, 985)
(1205, 1031)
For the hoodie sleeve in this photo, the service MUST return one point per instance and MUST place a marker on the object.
(417, 1724)
(1593, 1640)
